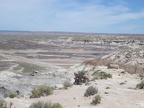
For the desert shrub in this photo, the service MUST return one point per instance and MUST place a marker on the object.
(67, 84)
(90, 91)
(101, 75)
(41, 91)
(57, 105)
(2, 103)
(37, 105)
(96, 100)
(140, 85)
(142, 78)
(12, 95)
(122, 83)
(107, 87)
(45, 105)
(105, 76)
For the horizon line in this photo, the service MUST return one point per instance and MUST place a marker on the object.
(69, 32)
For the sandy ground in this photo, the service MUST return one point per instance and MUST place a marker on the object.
(118, 96)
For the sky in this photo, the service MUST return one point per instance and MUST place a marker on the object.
(90, 16)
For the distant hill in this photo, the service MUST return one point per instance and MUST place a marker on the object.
(70, 33)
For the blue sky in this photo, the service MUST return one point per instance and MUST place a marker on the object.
(94, 16)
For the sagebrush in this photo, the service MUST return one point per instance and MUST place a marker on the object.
(67, 84)
(140, 85)
(45, 105)
(2, 102)
(91, 91)
(41, 90)
(12, 95)
(101, 75)
(96, 100)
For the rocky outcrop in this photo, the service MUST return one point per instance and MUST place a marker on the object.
(113, 66)
(131, 61)
(80, 78)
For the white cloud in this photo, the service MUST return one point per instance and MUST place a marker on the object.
(55, 15)
(96, 15)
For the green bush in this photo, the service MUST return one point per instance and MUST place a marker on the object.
(105, 75)
(90, 91)
(96, 100)
(12, 95)
(41, 91)
(2, 103)
(101, 75)
(67, 84)
(45, 105)
(140, 85)
(57, 105)
(107, 87)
